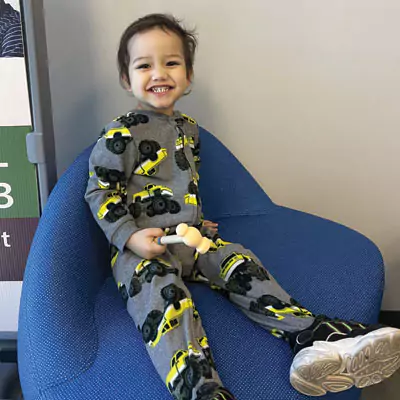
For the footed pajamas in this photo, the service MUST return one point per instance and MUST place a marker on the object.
(144, 174)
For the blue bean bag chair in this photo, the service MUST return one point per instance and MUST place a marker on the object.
(77, 341)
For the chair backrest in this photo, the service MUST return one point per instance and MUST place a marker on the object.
(226, 187)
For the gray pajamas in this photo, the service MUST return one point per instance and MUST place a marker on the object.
(144, 173)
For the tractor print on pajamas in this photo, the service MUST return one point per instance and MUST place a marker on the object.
(146, 271)
(237, 270)
(157, 323)
(113, 208)
(271, 306)
(111, 179)
(151, 156)
(156, 199)
(189, 366)
(117, 139)
(132, 119)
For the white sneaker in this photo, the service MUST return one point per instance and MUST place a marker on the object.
(335, 355)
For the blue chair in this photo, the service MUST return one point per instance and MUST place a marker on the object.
(77, 341)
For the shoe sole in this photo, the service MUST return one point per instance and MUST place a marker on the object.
(336, 366)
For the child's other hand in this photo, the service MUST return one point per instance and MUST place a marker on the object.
(142, 243)
(211, 226)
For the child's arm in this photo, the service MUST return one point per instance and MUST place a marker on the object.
(110, 166)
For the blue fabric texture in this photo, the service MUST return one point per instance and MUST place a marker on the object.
(76, 340)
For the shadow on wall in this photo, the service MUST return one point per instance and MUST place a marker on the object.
(71, 68)
(207, 114)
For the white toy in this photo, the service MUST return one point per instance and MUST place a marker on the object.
(188, 235)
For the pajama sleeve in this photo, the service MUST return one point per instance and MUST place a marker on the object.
(111, 164)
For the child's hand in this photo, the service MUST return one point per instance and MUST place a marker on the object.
(142, 243)
(211, 226)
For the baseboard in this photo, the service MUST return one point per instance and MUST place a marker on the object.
(390, 318)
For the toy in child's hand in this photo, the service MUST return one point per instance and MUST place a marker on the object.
(188, 235)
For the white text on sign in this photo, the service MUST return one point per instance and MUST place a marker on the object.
(5, 192)
(5, 236)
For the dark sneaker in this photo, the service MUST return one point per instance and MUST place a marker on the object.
(334, 355)
(212, 391)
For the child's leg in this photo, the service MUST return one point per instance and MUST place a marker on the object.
(162, 309)
(331, 354)
(238, 272)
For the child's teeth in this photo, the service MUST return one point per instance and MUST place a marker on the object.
(160, 89)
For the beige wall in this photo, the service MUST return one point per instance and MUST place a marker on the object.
(305, 93)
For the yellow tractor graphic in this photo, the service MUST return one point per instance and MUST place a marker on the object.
(112, 209)
(117, 139)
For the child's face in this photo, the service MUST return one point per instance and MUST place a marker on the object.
(157, 70)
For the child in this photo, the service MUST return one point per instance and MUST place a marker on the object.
(143, 183)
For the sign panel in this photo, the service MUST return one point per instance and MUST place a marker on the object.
(19, 198)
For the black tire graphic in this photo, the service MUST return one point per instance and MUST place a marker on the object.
(135, 209)
(123, 292)
(101, 172)
(181, 160)
(206, 369)
(149, 328)
(143, 119)
(192, 374)
(150, 211)
(174, 207)
(119, 211)
(118, 145)
(268, 300)
(159, 206)
(135, 287)
(170, 293)
(149, 149)
(156, 268)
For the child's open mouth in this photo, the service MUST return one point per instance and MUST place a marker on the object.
(160, 89)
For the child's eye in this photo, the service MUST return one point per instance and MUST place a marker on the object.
(143, 66)
(172, 63)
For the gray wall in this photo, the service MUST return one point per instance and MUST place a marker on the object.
(306, 93)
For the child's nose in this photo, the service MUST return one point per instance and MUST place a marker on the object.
(159, 73)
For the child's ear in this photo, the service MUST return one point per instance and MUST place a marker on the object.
(190, 78)
(125, 83)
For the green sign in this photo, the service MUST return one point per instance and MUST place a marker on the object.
(18, 187)
(19, 204)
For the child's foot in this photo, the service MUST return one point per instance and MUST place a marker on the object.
(212, 391)
(334, 355)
